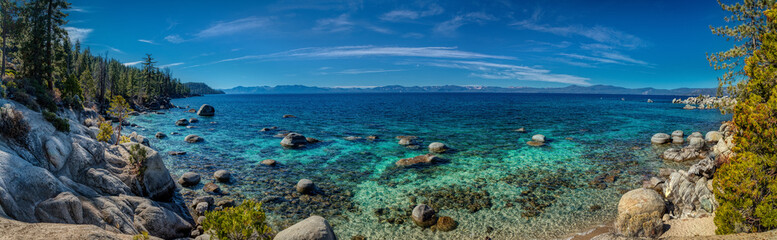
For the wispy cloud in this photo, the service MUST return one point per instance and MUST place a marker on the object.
(174, 38)
(366, 71)
(132, 63)
(367, 51)
(78, 34)
(171, 65)
(78, 9)
(146, 41)
(338, 24)
(448, 28)
(232, 27)
(597, 33)
(491, 70)
(403, 15)
(611, 57)
(343, 23)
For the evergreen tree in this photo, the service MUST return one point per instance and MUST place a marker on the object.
(750, 24)
(746, 186)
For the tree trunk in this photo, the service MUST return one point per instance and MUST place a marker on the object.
(2, 72)
(49, 50)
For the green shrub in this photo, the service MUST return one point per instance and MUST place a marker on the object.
(141, 236)
(137, 160)
(246, 221)
(746, 186)
(12, 124)
(61, 124)
(106, 132)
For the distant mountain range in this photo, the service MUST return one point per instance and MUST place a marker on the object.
(596, 89)
(198, 88)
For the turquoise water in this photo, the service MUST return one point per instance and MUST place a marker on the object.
(493, 184)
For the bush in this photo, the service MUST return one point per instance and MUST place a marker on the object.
(61, 124)
(746, 186)
(246, 221)
(137, 160)
(106, 132)
(12, 124)
(141, 236)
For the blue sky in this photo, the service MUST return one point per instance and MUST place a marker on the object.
(335, 43)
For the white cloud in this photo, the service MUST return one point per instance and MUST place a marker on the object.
(399, 15)
(366, 51)
(132, 63)
(597, 33)
(491, 70)
(77, 34)
(338, 24)
(449, 27)
(403, 15)
(77, 9)
(232, 27)
(171, 65)
(146, 41)
(366, 71)
(412, 35)
(174, 38)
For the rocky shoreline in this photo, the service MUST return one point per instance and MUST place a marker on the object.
(70, 177)
(673, 197)
(724, 103)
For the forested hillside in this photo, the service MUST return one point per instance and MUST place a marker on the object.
(43, 69)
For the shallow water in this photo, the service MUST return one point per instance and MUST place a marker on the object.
(493, 184)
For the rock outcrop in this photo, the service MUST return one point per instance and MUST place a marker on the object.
(294, 140)
(639, 214)
(206, 110)
(72, 178)
(312, 228)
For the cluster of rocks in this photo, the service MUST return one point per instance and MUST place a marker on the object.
(676, 193)
(537, 140)
(71, 178)
(706, 102)
(425, 216)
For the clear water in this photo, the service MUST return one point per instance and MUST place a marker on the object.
(493, 184)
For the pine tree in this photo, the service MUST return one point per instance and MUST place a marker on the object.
(746, 186)
(751, 23)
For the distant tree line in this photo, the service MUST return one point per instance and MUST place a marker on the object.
(42, 68)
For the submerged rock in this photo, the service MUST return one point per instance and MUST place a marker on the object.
(353, 138)
(193, 139)
(437, 147)
(639, 214)
(445, 224)
(407, 140)
(206, 110)
(289, 116)
(520, 130)
(222, 176)
(418, 160)
(535, 144)
(182, 122)
(193, 120)
(313, 228)
(211, 188)
(305, 186)
(269, 162)
(189, 179)
(294, 140)
(424, 215)
(160, 135)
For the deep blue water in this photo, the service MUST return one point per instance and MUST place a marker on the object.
(493, 184)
